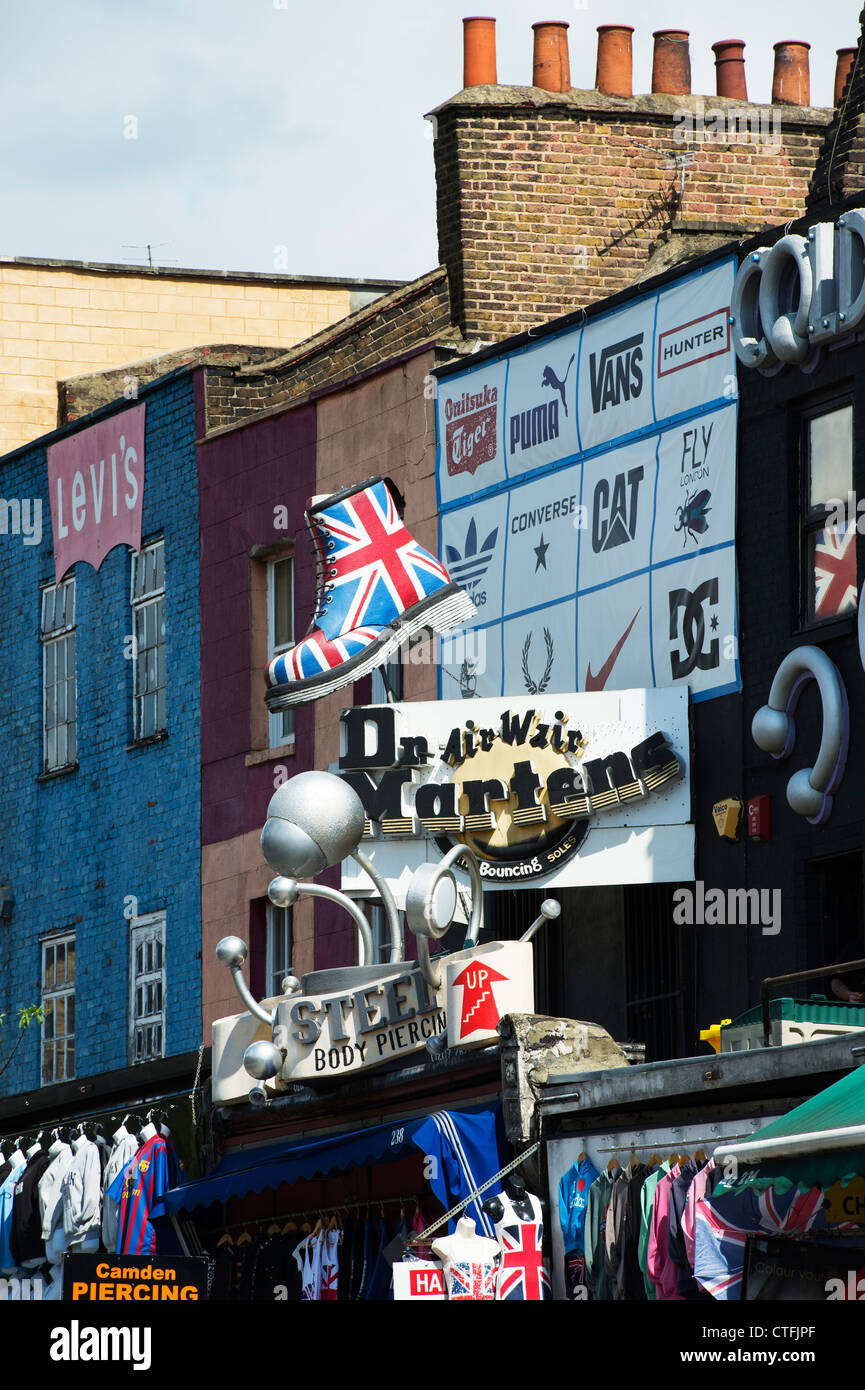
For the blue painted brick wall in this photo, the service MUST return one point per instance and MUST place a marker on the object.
(125, 823)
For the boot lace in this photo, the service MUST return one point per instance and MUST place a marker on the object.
(322, 544)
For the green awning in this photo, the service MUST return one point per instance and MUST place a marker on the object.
(819, 1143)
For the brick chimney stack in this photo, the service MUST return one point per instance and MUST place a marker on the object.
(549, 197)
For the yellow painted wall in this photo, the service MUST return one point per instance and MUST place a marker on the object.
(58, 323)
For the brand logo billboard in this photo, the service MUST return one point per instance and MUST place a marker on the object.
(471, 436)
(96, 481)
(614, 514)
(693, 342)
(469, 567)
(616, 373)
(521, 795)
(692, 606)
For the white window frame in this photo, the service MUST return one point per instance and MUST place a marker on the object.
(50, 995)
(279, 946)
(60, 739)
(280, 725)
(146, 929)
(148, 598)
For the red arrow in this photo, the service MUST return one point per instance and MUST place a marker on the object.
(480, 1010)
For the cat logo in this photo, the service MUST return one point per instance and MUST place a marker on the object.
(616, 373)
(614, 519)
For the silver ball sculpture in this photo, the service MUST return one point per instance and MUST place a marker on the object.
(231, 951)
(263, 1060)
(331, 816)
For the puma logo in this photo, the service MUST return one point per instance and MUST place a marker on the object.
(550, 379)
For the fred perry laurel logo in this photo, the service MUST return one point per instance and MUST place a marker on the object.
(533, 687)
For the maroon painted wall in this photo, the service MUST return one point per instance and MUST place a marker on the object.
(243, 476)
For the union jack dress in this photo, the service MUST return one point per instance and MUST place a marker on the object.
(523, 1275)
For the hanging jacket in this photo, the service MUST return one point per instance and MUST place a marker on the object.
(81, 1193)
(573, 1196)
(51, 1204)
(629, 1283)
(662, 1271)
(596, 1214)
(647, 1200)
(125, 1149)
(613, 1232)
(686, 1284)
(696, 1192)
(28, 1247)
(7, 1197)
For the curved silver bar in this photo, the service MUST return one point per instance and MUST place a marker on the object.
(476, 921)
(333, 895)
(389, 904)
(432, 974)
(243, 990)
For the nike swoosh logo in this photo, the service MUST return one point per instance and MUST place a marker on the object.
(600, 680)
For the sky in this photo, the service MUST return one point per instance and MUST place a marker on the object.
(288, 135)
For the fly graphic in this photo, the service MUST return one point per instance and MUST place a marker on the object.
(692, 517)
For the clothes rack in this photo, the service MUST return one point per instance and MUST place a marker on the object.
(349, 1205)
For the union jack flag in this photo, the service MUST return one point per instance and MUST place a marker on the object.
(318, 653)
(475, 1281)
(329, 1276)
(522, 1274)
(835, 587)
(724, 1222)
(381, 569)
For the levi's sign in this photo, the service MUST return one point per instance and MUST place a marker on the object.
(96, 482)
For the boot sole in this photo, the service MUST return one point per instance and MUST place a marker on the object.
(443, 611)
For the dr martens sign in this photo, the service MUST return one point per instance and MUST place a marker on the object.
(521, 784)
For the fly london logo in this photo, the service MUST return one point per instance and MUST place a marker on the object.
(616, 373)
(471, 436)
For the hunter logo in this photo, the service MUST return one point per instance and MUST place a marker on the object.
(697, 341)
(614, 519)
(616, 373)
(469, 568)
(693, 629)
(522, 795)
(470, 430)
(539, 687)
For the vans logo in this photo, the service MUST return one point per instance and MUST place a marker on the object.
(616, 373)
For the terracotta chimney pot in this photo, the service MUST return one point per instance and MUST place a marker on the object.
(614, 75)
(671, 65)
(842, 68)
(730, 69)
(479, 52)
(791, 82)
(551, 67)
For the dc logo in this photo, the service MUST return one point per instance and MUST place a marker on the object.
(693, 629)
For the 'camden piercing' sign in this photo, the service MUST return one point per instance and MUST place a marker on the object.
(96, 483)
(520, 783)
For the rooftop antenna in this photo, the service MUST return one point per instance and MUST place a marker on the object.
(681, 161)
(149, 248)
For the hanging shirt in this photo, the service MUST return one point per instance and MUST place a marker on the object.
(522, 1274)
(81, 1195)
(661, 1268)
(629, 1283)
(125, 1149)
(139, 1188)
(647, 1201)
(573, 1196)
(329, 1266)
(27, 1245)
(51, 1204)
(696, 1192)
(613, 1231)
(685, 1282)
(596, 1215)
(7, 1196)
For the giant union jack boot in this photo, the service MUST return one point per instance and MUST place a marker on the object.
(376, 588)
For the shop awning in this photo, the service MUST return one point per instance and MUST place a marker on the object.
(470, 1136)
(819, 1143)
